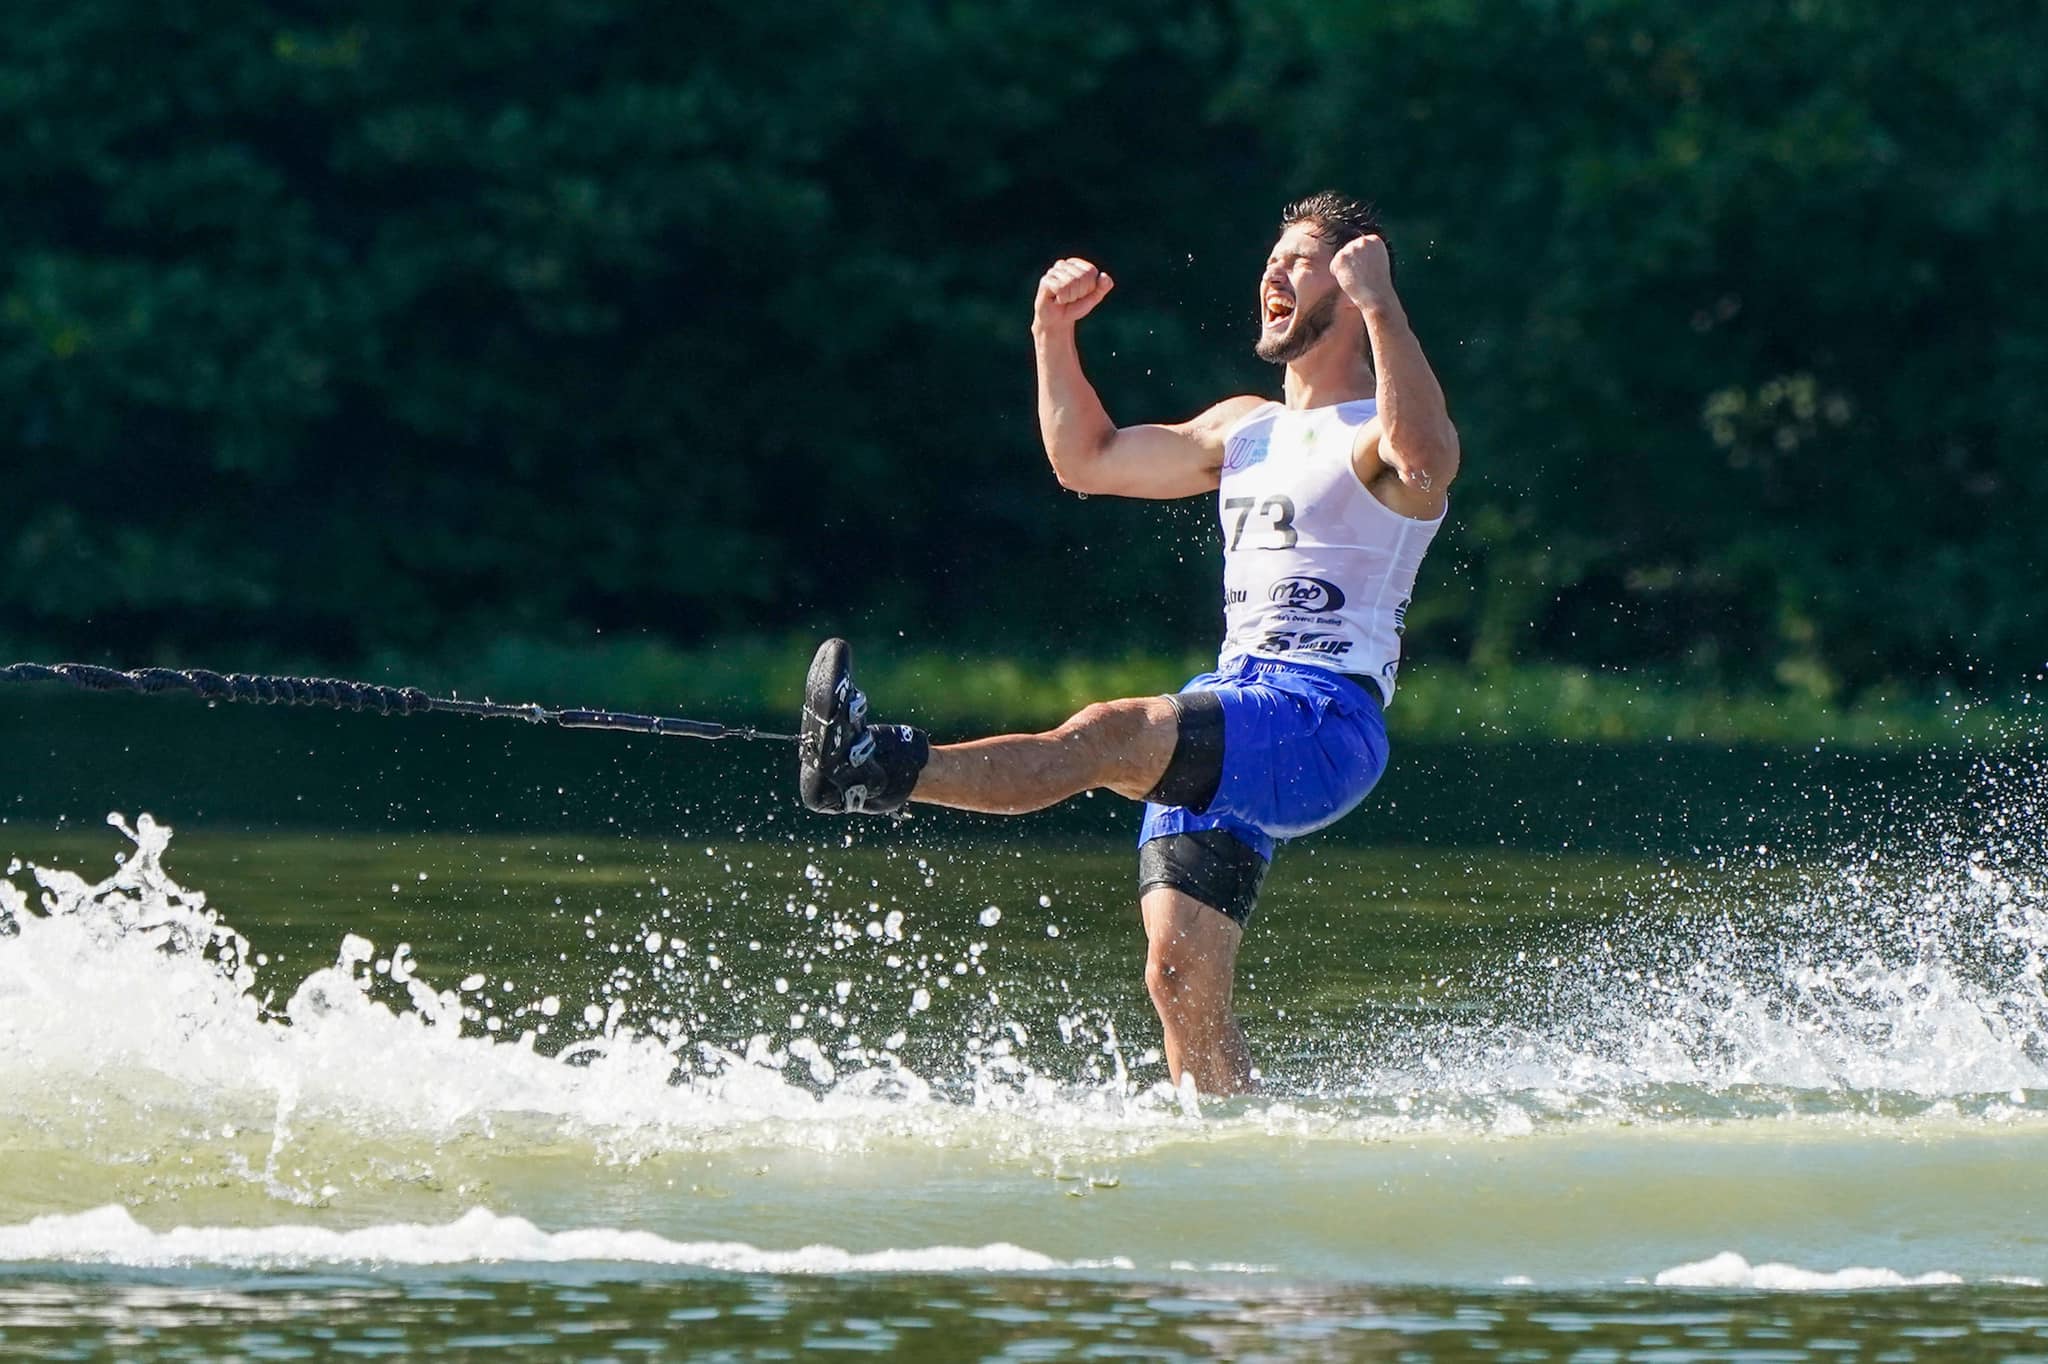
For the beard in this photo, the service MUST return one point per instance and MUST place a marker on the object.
(1309, 326)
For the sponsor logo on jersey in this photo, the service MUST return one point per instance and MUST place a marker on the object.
(1306, 594)
(1320, 643)
(1244, 451)
(1234, 596)
(1401, 617)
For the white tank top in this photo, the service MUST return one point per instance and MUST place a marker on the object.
(1315, 568)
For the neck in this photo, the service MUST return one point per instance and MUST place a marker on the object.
(1329, 374)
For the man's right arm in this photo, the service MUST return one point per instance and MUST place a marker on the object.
(1089, 452)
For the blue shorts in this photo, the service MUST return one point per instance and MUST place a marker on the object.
(1301, 748)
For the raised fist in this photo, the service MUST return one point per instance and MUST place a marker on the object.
(1069, 292)
(1363, 271)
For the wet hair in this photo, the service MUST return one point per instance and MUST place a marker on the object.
(1337, 219)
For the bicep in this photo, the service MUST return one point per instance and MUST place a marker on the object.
(1410, 491)
(1371, 451)
(1154, 461)
(1164, 461)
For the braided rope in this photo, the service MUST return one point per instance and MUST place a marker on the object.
(338, 694)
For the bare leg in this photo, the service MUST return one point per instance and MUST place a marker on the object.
(1123, 745)
(1189, 968)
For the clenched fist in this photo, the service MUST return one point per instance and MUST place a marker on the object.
(1069, 292)
(1363, 270)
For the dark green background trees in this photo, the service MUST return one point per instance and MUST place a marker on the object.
(408, 326)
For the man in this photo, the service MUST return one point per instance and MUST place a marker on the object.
(1328, 501)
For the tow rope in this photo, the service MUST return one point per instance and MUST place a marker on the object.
(359, 696)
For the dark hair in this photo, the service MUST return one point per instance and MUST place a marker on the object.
(1337, 219)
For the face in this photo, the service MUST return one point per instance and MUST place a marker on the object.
(1298, 295)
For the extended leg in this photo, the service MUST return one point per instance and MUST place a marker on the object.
(1122, 745)
(846, 765)
(1190, 969)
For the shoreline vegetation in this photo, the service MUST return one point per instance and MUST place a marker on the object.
(958, 694)
(415, 333)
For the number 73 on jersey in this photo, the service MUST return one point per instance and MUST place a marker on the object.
(1277, 514)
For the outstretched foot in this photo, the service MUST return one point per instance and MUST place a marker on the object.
(844, 764)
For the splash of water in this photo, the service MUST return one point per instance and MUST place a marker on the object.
(1868, 989)
(132, 1007)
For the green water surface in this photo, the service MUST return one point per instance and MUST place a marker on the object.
(1413, 1194)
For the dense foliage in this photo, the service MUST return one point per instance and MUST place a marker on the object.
(404, 326)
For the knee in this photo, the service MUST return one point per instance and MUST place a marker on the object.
(1162, 982)
(1175, 975)
(1097, 724)
(1101, 734)
(1126, 742)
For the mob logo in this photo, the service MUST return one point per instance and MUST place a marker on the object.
(1306, 594)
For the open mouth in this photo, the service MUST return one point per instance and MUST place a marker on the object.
(1278, 309)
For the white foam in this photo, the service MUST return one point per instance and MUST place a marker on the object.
(1929, 984)
(1730, 1270)
(111, 1235)
(133, 998)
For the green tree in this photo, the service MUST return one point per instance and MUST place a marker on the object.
(409, 326)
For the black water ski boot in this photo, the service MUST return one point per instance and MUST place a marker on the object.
(844, 764)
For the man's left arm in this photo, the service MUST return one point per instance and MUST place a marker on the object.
(1415, 436)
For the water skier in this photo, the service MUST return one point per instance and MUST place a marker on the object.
(1328, 501)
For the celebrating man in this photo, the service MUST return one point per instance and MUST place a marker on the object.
(1328, 500)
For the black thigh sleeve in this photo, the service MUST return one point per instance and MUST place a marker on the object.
(1208, 865)
(1196, 768)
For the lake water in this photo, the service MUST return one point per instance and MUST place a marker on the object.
(502, 1043)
